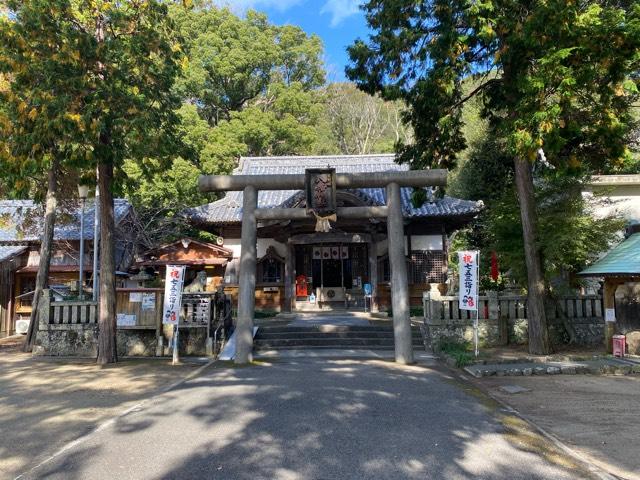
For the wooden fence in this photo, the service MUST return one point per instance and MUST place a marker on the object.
(136, 307)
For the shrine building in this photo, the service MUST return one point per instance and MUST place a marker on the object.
(299, 268)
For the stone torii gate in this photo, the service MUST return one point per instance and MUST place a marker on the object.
(392, 181)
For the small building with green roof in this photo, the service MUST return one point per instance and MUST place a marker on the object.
(620, 268)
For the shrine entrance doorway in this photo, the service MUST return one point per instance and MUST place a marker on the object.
(332, 275)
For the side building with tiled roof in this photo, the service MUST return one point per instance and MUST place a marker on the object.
(21, 229)
(330, 270)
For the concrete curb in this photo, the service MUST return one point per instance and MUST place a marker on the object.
(107, 423)
(591, 465)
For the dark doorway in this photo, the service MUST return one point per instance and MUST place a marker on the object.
(332, 273)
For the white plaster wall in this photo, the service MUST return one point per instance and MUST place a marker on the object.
(619, 200)
(233, 244)
(426, 242)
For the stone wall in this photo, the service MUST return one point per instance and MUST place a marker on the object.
(82, 341)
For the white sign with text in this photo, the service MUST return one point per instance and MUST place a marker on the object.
(174, 281)
(468, 297)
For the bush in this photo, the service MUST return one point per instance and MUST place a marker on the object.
(461, 352)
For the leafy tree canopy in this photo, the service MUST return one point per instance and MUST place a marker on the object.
(552, 74)
(81, 71)
(233, 60)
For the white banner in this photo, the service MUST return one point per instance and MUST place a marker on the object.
(173, 294)
(468, 296)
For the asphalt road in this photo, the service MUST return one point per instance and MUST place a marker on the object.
(311, 419)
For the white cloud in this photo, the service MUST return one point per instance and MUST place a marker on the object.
(241, 6)
(340, 10)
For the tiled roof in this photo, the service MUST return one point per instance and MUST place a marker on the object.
(624, 259)
(8, 251)
(21, 221)
(229, 209)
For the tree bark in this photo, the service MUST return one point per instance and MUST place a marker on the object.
(42, 278)
(539, 342)
(107, 351)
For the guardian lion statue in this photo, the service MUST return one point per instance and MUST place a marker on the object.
(199, 284)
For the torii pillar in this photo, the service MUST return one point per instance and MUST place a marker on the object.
(392, 181)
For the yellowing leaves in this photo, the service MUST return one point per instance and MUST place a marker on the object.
(75, 117)
(33, 114)
(546, 127)
(574, 162)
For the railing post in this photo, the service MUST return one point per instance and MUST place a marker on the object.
(44, 307)
(426, 307)
(494, 316)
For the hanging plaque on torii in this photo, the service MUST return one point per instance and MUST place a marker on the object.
(320, 186)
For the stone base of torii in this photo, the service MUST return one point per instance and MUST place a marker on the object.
(392, 181)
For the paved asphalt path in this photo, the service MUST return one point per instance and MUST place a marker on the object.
(315, 419)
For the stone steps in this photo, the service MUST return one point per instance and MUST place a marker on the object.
(330, 337)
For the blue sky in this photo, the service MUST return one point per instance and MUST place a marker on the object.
(337, 22)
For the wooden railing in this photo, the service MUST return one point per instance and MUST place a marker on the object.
(513, 307)
(196, 309)
(62, 314)
(503, 316)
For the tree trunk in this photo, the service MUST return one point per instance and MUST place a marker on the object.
(539, 342)
(42, 278)
(107, 352)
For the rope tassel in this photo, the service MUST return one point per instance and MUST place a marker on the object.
(322, 223)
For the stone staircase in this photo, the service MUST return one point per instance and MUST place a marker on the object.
(350, 337)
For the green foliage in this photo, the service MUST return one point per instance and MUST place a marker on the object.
(248, 88)
(233, 61)
(251, 88)
(570, 232)
(89, 83)
(360, 123)
(461, 352)
(553, 74)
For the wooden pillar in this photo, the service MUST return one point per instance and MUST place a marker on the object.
(399, 283)
(609, 300)
(373, 275)
(289, 279)
(247, 280)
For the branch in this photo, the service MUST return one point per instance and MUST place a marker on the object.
(472, 94)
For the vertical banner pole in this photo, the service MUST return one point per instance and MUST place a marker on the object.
(172, 308)
(469, 295)
(476, 326)
(176, 358)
